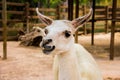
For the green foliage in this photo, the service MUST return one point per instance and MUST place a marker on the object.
(55, 3)
(43, 3)
(104, 2)
(83, 2)
(98, 2)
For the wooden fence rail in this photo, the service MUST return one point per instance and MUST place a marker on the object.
(14, 4)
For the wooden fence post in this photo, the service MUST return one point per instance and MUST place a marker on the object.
(106, 21)
(4, 25)
(26, 17)
(93, 22)
(70, 9)
(58, 12)
(114, 6)
(76, 16)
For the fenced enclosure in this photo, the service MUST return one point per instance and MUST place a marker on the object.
(22, 16)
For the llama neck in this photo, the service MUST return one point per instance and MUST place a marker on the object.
(68, 66)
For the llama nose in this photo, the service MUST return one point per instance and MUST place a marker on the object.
(49, 40)
(46, 41)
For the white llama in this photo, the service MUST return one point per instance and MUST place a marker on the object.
(71, 61)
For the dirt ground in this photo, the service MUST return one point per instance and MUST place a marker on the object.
(28, 63)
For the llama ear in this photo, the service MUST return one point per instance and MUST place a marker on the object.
(81, 20)
(43, 18)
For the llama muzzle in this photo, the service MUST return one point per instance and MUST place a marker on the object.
(46, 47)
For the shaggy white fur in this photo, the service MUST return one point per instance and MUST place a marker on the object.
(78, 64)
(71, 60)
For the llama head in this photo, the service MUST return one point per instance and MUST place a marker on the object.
(35, 32)
(59, 33)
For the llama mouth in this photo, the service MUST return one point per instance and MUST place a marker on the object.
(48, 49)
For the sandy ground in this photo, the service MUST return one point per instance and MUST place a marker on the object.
(28, 63)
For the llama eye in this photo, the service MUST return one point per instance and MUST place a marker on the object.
(46, 31)
(67, 33)
(38, 30)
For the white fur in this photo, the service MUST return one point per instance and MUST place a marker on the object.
(78, 63)
(71, 61)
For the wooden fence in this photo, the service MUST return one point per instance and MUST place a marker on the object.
(104, 13)
(27, 15)
(13, 15)
(14, 12)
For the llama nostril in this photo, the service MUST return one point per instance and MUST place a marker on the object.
(45, 42)
(49, 40)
